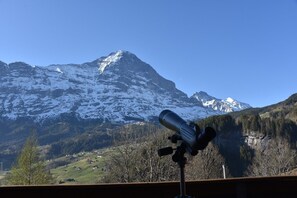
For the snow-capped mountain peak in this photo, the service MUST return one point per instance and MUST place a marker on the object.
(236, 105)
(203, 97)
(110, 60)
(226, 105)
(230, 100)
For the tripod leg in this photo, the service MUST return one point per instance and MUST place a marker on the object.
(182, 181)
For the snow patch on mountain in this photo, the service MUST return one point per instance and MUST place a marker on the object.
(110, 60)
(59, 70)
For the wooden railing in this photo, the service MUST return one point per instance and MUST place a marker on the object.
(262, 187)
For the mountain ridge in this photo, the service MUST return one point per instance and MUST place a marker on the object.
(227, 105)
(91, 90)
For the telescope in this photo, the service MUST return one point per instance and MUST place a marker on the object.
(192, 140)
(190, 134)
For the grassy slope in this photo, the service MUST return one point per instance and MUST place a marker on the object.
(84, 168)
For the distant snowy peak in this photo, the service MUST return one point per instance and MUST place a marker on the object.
(236, 105)
(230, 100)
(120, 57)
(122, 61)
(203, 97)
(227, 105)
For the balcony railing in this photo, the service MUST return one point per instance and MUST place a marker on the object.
(261, 187)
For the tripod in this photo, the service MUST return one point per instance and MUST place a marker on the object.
(181, 160)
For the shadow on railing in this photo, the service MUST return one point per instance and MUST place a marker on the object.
(261, 187)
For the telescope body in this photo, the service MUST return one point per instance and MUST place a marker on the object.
(195, 140)
(172, 121)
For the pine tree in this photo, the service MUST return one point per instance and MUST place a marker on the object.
(30, 169)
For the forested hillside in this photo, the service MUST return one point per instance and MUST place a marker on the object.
(248, 137)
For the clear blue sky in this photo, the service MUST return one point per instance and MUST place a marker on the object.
(245, 49)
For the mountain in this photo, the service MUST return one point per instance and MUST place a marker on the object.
(227, 105)
(84, 101)
(116, 88)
